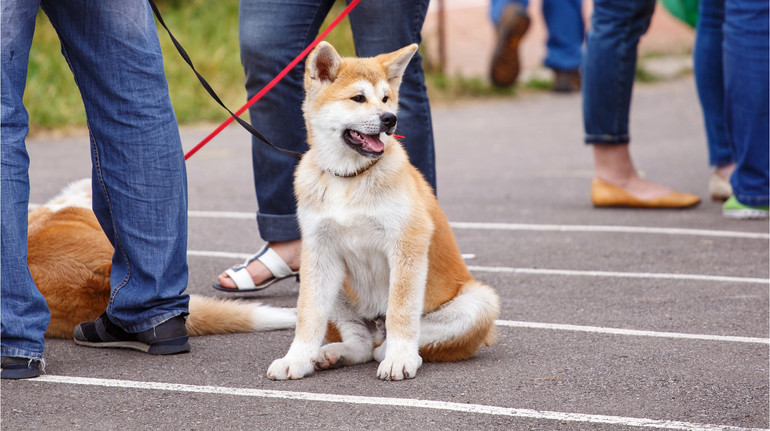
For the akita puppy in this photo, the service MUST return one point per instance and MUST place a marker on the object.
(70, 259)
(375, 243)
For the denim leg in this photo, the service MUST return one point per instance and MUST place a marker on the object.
(709, 80)
(609, 66)
(566, 30)
(746, 71)
(25, 314)
(496, 8)
(139, 177)
(271, 35)
(381, 26)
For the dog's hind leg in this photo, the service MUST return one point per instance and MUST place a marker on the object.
(355, 347)
(457, 329)
(350, 339)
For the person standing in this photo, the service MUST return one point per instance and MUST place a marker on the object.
(271, 35)
(732, 66)
(609, 67)
(138, 176)
(709, 81)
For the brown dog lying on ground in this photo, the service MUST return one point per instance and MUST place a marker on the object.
(70, 259)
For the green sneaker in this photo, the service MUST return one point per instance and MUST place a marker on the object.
(734, 209)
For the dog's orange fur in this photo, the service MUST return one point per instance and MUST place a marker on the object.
(447, 277)
(70, 260)
(447, 273)
(376, 217)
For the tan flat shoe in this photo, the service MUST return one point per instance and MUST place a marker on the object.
(604, 194)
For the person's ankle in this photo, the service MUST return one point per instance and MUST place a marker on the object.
(726, 171)
(620, 179)
(290, 252)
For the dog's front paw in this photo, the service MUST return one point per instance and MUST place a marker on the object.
(399, 366)
(283, 369)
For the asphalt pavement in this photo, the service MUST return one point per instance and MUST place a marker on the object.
(612, 319)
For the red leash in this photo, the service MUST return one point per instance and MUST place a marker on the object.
(275, 80)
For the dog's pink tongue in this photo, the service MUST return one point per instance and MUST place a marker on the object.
(373, 143)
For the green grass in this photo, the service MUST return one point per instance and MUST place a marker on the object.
(644, 75)
(207, 30)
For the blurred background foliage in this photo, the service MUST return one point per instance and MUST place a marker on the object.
(208, 30)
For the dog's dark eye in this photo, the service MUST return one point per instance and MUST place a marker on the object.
(385, 99)
(358, 98)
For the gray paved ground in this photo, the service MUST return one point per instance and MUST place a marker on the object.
(565, 288)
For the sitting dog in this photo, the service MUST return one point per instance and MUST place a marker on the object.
(375, 243)
(70, 259)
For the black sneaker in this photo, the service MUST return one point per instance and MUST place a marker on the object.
(19, 368)
(167, 338)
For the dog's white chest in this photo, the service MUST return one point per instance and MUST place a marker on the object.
(362, 236)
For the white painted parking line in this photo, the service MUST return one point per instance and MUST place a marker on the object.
(224, 214)
(223, 254)
(537, 227)
(630, 332)
(543, 271)
(608, 229)
(651, 275)
(392, 402)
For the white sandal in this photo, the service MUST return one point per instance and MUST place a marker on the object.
(242, 279)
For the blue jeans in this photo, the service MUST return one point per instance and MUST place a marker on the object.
(746, 61)
(709, 80)
(139, 177)
(272, 33)
(609, 66)
(566, 30)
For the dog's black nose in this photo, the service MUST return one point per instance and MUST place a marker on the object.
(388, 120)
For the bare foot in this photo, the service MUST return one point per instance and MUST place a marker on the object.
(289, 251)
(613, 164)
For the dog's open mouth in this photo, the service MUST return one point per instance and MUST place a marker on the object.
(367, 145)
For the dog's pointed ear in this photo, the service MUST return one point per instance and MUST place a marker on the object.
(324, 63)
(395, 63)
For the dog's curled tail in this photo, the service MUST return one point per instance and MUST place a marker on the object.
(221, 316)
(456, 330)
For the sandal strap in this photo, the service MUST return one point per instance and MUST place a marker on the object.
(274, 263)
(241, 277)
